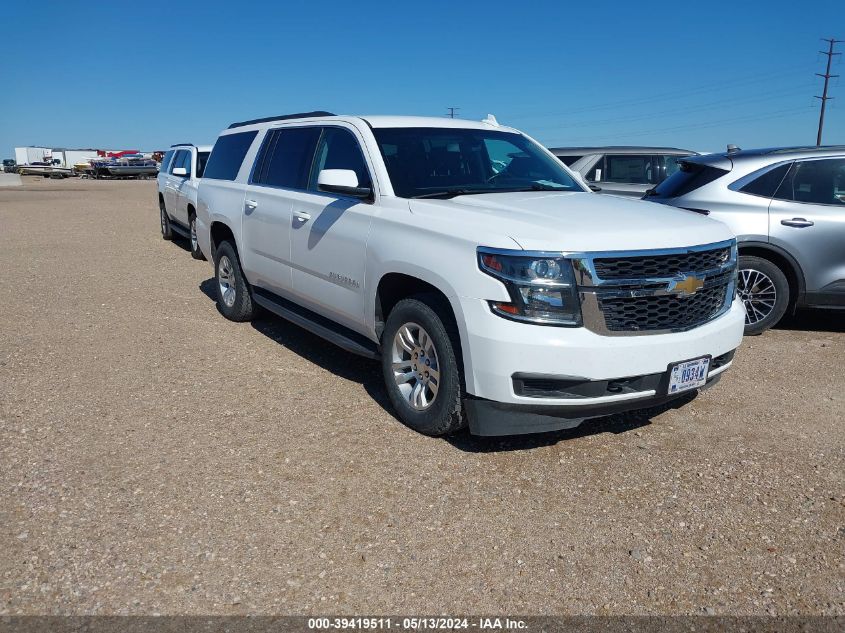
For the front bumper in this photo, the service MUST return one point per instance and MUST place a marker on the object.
(496, 350)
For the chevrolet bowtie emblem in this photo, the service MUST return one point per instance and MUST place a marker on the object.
(688, 285)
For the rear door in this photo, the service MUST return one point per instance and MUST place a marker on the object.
(279, 175)
(329, 233)
(807, 219)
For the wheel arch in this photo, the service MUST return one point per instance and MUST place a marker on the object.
(219, 232)
(783, 260)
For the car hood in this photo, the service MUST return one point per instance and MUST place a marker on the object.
(571, 221)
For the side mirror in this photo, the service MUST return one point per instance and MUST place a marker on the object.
(342, 181)
(179, 171)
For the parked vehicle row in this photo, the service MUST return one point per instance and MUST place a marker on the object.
(497, 291)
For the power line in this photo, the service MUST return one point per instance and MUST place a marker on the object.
(824, 98)
(452, 111)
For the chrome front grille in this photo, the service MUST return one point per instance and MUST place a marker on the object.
(655, 292)
(660, 265)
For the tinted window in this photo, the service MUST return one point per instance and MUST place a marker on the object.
(670, 165)
(815, 181)
(767, 183)
(165, 162)
(227, 155)
(338, 149)
(441, 161)
(285, 158)
(182, 159)
(622, 168)
(690, 177)
(202, 159)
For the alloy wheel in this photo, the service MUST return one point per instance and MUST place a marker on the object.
(226, 280)
(758, 293)
(416, 369)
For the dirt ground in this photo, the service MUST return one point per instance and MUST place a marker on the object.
(156, 458)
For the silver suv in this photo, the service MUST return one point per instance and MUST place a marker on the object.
(787, 208)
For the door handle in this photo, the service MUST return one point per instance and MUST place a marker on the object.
(799, 223)
(302, 216)
(250, 204)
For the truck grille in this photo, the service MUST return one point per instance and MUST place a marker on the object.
(660, 266)
(644, 292)
(664, 312)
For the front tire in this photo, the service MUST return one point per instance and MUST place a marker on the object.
(234, 297)
(421, 368)
(764, 291)
(196, 253)
(166, 229)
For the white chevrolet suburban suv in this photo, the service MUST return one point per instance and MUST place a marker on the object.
(178, 179)
(496, 290)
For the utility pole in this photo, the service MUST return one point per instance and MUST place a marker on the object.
(452, 111)
(824, 98)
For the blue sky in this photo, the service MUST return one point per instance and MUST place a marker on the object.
(148, 74)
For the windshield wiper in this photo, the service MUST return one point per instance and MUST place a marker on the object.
(451, 193)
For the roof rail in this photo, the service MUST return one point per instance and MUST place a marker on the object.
(298, 115)
(182, 145)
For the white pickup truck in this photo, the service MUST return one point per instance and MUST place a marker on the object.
(495, 289)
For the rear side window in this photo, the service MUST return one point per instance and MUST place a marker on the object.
(285, 158)
(766, 183)
(227, 155)
(815, 182)
(339, 150)
(165, 162)
(638, 170)
(690, 177)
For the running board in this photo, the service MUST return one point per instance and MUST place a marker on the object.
(181, 230)
(334, 333)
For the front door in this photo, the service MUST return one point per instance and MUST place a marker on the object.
(329, 234)
(807, 219)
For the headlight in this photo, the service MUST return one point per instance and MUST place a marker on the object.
(541, 286)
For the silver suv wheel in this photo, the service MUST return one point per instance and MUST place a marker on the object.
(416, 369)
(758, 293)
(226, 279)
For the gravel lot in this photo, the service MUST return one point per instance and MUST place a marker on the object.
(156, 458)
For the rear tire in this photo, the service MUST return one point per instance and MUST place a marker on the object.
(196, 253)
(764, 291)
(234, 296)
(421, 368)
(166, 229)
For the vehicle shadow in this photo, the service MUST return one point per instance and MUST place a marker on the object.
(814, 321)
(368, 373)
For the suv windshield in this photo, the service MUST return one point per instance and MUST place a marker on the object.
(446, 162)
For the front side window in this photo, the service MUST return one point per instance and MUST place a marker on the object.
(443, 162)
(228, 153)
(165, 162)
(636, 170)
(339, 149)
(815, 182)
(182, 159)
(285, 158)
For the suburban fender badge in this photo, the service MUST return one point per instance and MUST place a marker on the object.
(686, 285)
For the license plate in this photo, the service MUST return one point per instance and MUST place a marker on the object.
(689, 374)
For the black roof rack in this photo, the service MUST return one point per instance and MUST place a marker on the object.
(298, 115)
(182, 145)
